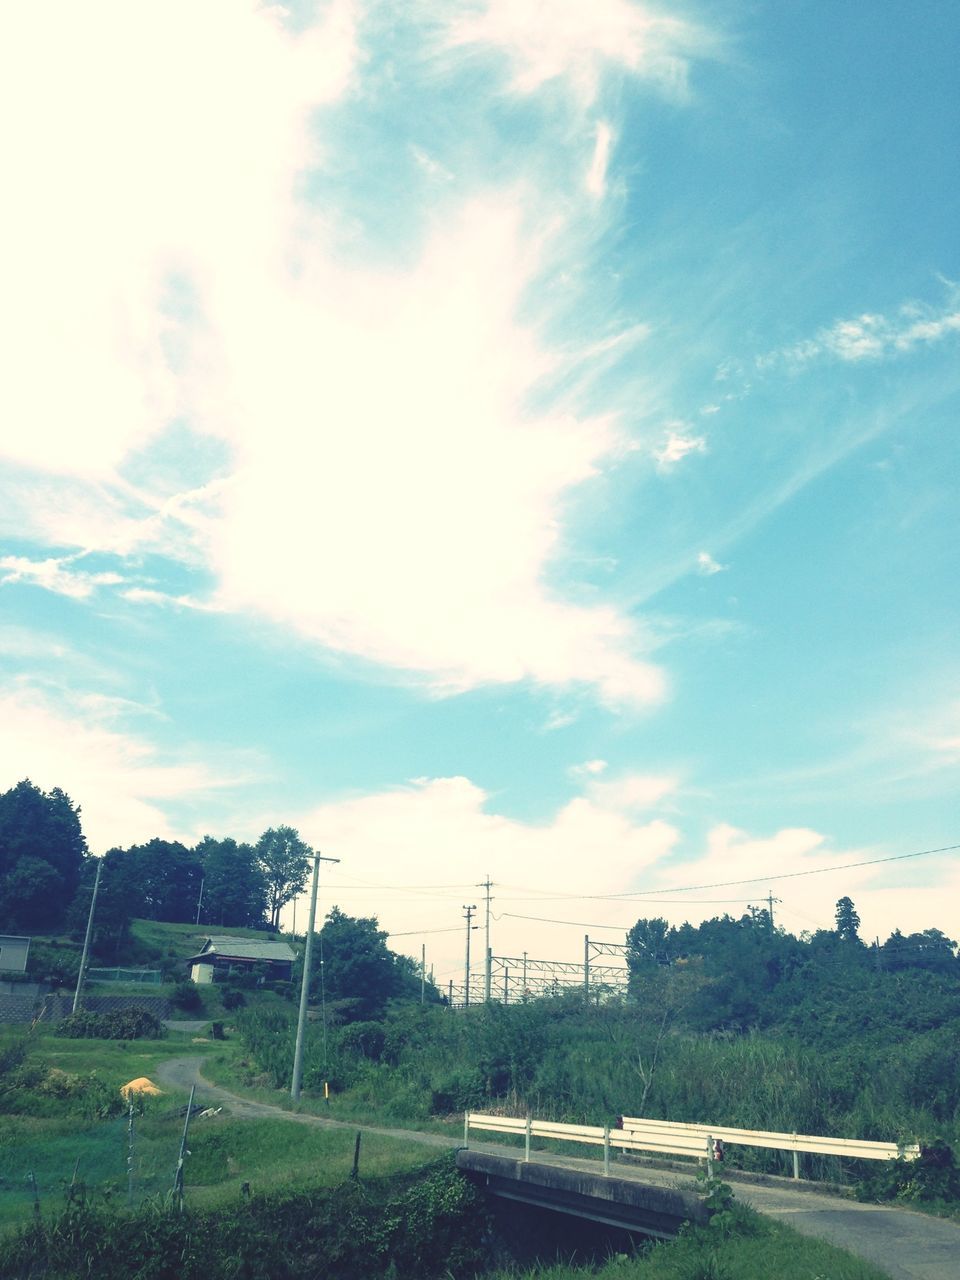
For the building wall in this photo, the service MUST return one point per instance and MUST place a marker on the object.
(13, 953)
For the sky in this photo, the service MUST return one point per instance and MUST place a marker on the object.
(507, 440)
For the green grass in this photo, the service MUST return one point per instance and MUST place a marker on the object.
(56, 1138)
(769, 1252)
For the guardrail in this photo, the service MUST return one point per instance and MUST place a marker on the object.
(664, 1137)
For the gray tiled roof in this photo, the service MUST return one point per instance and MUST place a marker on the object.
(246, 949)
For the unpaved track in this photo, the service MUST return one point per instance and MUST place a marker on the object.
(907, 1246)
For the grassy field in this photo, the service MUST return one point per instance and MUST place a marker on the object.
(55, 1133)
(770, 1252)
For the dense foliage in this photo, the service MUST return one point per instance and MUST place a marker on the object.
(416, 1227)
(41, 855)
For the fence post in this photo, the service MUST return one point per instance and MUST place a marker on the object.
(606, 1151)
(526, 1140)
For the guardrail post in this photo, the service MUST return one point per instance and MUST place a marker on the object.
(526, 1140)
(796, 1163)
(606, 1150)
(466, 1128)
(709, 1158)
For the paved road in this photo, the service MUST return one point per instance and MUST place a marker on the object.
(906, 1245)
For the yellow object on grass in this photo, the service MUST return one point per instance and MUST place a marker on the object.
(140, 1085)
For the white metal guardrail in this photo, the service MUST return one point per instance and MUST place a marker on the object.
(852, 1148)
(664, 1137)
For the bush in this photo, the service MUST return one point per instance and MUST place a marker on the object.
(186, 996)
(935, 1176)
(125, 1024)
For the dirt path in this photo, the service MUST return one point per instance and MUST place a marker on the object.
(907, 1246)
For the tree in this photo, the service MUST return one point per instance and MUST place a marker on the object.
(359, 969)
(164, 881)
(33, 895)
(234, 886)
(848, 922)
(42, 826)
(284, 860)
(111, 920)
(649, 942)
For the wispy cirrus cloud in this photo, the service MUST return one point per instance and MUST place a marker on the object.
(872, 336)
(576, 44)
(55, 574)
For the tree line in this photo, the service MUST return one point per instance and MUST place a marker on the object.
(47, 873)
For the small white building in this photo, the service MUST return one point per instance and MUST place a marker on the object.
(14, 952)
(239, 954)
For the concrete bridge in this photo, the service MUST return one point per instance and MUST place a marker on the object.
(629, 1200)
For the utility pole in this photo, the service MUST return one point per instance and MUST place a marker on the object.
(305, 981)
(86, 939)
(468, 916)
(203, 881)
(770, 901)
(423, 972)
(487, 885)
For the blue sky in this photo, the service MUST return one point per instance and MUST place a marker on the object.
(502, 438)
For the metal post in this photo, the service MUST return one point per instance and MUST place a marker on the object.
(524, 975)
(526, 1140)
(450, 994)
(86, 940)
(487, 884)
(129, 1157)
(305, 981)
(606, 1151)
(423, 972)
(586, 967)
(178, 1176)
(506, 986)
(466, 1128)
(796, 1163)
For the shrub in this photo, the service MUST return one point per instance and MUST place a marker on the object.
(187, 997)
(125, 1024)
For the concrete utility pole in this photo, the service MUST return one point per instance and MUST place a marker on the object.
(203, 881)
(770, 901)
(468, 916)
(487, 885)
(305, 981)
(86, 939)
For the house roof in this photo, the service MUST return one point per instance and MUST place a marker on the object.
(244, 949)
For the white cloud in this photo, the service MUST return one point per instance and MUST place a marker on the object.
(121, 781)
(677, 445)
(138, 140)
(550, 878)
(872, 335)
(441, 832)
(577, 43)
(631, 792)
(707, 566)
(596, 181)
(392, 494)
(54, 574)
(588, 768)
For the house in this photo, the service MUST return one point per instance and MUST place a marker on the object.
(232, 955)
(13, 952)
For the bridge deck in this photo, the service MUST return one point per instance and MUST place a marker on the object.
(576, 1187)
